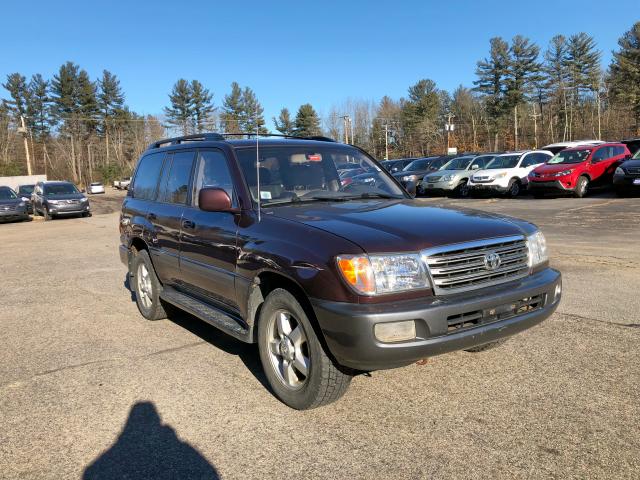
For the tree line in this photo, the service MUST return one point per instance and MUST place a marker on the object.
(72, 126)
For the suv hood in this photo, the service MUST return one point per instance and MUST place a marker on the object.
(403, 173)
(547, 169)
(442, 173)
(69, 196)
(401, 225)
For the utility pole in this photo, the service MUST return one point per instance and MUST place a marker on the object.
(535, 116)
(386, 141)
(23, 130)
(449, 127)
(345, 127)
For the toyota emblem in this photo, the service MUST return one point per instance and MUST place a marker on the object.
(492, 261)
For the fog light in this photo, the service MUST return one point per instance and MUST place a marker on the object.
(557, 293)
(395, 331)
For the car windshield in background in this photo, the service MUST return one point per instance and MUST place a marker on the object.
(438, 163)
(460, 163)
(301, 173)
(7, 194)
(417, 165)
(505, 161)
(570, 156)
(25, 189)
(60, 189)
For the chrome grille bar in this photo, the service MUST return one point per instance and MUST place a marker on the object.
(461, 267)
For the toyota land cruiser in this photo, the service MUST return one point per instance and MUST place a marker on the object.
(259, 238)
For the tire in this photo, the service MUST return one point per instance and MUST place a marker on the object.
(295, 363)
(582, 187)
(514, 188)
(147, 287)
(486, 346)
(462, 190)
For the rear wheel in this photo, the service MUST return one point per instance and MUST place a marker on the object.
(147, 287)
(299, 371)
(582, 187)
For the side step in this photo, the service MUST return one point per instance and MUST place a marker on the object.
(227, 323)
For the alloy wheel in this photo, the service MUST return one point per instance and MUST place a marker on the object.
(145, 288)
(288, 349)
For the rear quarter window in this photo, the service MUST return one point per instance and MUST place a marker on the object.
(147, 176)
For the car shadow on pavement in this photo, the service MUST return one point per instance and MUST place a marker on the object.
(147, 448)
(247, 353)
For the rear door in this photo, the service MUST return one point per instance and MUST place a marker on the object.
(208, 252)
(601, 161)
(165, 214)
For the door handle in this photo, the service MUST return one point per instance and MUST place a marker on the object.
(152, 216)
(188, 224)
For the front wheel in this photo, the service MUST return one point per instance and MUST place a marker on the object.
(582, 186)
(462, 190)
(514, 189)
(299, 371)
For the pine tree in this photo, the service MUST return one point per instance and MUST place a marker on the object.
(625, 73)
(64, 93)
(87, 103)
(557, 78)
(39, 107)
(201, 106)
(180, 113)
(232, 110)
(420, 116)
(307, 123)
(16, 85)
(252, 117)
(283, 123)
(523, 73)
(491, 83)
(110, 102)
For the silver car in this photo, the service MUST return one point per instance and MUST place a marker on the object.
(453, 176)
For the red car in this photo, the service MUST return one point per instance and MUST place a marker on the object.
(575, 170)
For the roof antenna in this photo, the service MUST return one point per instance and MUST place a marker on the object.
(258, 166)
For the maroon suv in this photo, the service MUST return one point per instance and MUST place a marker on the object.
(263, 241)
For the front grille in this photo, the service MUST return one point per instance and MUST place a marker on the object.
(468, 266)
(466, 320)
(9, 208)
(634, 170)
(482, 179)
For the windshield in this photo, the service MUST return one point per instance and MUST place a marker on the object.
(293, 173)
(460, 163)
(503, 161)
(417, 165)
(7, 194)
(25, 189)
(570, 156)
(60, 189)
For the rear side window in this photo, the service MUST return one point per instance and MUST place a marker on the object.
(603, 153)
(147, 175)
(176, 188)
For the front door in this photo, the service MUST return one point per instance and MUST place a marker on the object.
(208, 252)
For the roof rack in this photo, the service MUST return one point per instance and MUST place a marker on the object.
(198, 137)
(212, 137)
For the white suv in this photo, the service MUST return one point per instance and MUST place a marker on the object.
(558, 147)
(508, 173)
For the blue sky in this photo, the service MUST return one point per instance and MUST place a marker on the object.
(289, 53)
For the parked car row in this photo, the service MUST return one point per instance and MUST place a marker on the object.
(48, 199)
(562, 168)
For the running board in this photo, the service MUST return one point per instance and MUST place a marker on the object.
(223, 321)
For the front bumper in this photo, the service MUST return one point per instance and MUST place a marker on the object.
(549, 186)
(626, 182)
(74, 209)
(438, 187)
(13, 215)
(349, 328)
(488, 187)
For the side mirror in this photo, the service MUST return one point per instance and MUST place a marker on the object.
(475, 167)
(214, 199)
(410, 187)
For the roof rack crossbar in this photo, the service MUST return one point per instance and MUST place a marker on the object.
(202, 137)
(318, 138)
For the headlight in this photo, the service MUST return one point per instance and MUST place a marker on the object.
(500, 175)
(537, 245)
(563, 173)
(22, 204)
(619, 171)
(25, 199)
(447, 178)
(378, 274)
(409, 178)
(84, 199)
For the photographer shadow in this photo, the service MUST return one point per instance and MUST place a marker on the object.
(146, 448)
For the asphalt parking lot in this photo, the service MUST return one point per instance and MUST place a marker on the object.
(89, 388)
